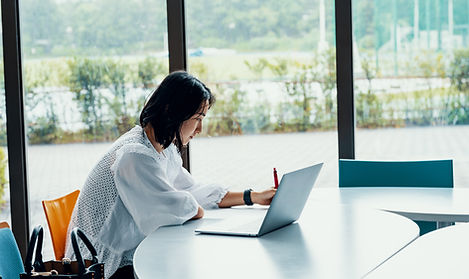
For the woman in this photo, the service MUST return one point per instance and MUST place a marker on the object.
(140, 185)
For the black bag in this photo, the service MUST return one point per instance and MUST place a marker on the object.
(79, 269)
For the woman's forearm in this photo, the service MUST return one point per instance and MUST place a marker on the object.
(236, 198)
(232, 199)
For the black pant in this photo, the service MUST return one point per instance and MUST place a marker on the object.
(125, 272)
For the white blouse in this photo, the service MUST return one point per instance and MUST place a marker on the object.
(132, 191)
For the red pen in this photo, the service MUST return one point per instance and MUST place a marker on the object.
(275, 178)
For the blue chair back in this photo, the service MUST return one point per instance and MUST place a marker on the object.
(355, 173)
(11, 264)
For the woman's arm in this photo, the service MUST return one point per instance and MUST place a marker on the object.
(236, 198)
(200, 214)
(145, 192)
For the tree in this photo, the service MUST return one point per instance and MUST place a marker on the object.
(42, 128)
(368, 106)
(325, 74)
(459, 70)
(225, 116)
(116, 75)
(41, 26)
(301, 88)
(148, 70)
(87, 76)
(258, 67)
(430, 66)
(279, 68)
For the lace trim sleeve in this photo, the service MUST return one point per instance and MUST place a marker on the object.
(208, 196)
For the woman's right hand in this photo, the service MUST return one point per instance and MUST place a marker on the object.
(264, 197)
(200, 214)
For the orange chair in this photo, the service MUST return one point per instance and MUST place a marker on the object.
(58, 214)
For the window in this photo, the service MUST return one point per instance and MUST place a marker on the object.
(88, 66)
(411, 81)
(271, 65)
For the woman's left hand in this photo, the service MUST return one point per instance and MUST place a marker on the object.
(264, 197)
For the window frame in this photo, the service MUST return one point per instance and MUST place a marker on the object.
(16, 137)
(177, 61)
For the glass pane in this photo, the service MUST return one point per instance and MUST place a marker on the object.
(271, 65)
(88, 66)
(411, 73)
(5, 214)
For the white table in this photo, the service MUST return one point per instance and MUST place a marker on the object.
(329, 241)
(443, 253)
(443, 205)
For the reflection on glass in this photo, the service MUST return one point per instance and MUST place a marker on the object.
(412, 81)
(88, 66)
(271, 65)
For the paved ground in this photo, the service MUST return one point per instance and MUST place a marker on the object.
(250, 159)
(247, 161)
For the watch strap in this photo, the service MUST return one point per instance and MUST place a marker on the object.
(247, 197)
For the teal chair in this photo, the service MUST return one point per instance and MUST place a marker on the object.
(11, 264)
(438, 173)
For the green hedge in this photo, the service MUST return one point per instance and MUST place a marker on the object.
(308, 87)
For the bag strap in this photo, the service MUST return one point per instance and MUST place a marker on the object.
(35, 242)
(76, 232)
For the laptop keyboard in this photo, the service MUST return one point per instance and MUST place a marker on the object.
(250, 226)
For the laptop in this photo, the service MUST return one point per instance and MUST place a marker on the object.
(285, 208)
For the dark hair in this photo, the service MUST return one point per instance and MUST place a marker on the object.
(178, 97)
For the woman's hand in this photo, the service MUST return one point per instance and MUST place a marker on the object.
(264, 197)
(236, 198)
(200, 214)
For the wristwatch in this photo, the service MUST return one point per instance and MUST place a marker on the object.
(247, 197)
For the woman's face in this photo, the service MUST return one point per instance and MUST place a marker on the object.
(192, 126)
